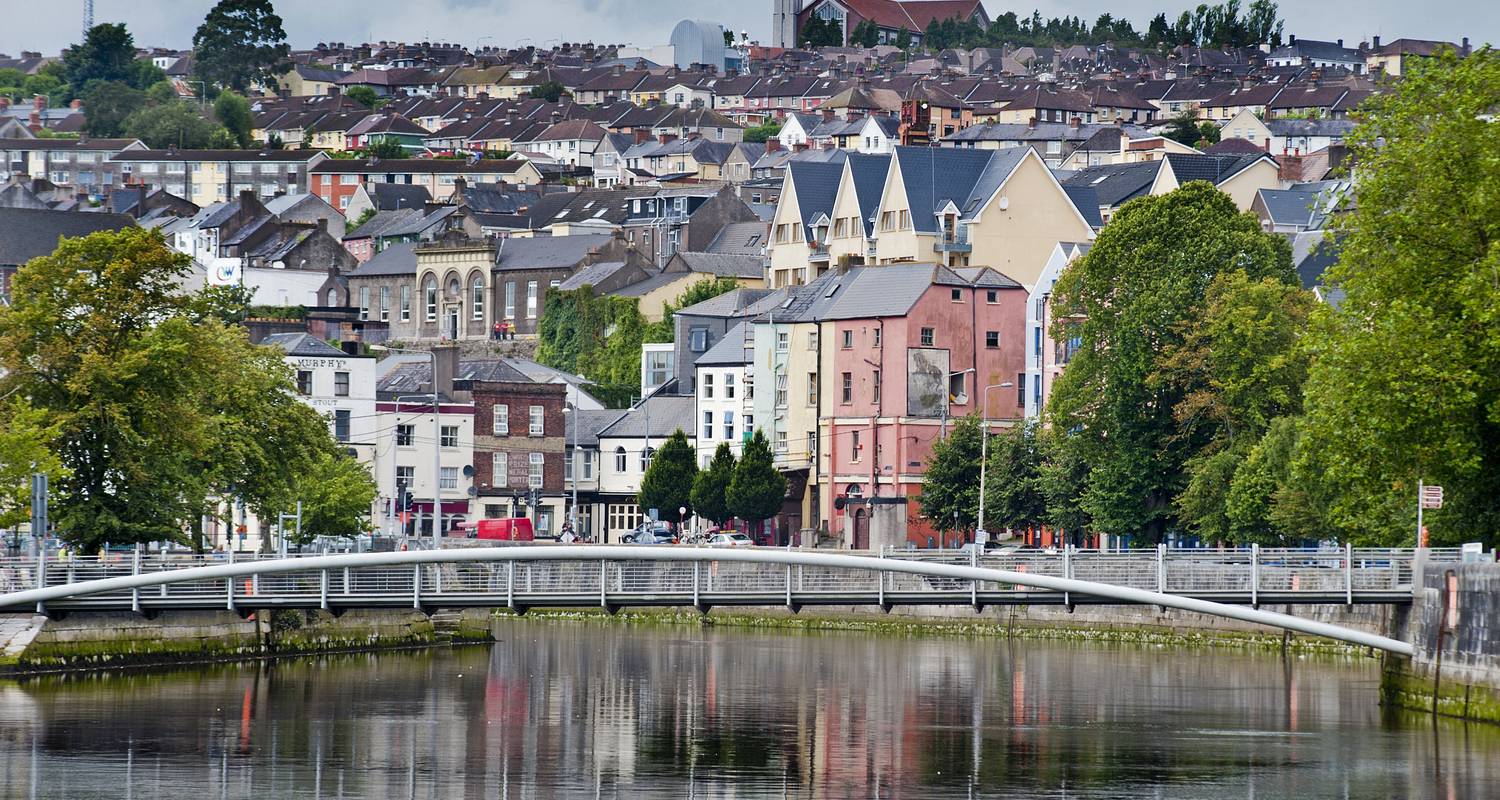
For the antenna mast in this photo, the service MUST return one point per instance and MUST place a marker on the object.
(88, 17)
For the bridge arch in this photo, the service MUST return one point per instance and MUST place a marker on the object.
(630, 553)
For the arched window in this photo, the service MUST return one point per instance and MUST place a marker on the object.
(476, 292)
(429, 297)
(646, 454)
(333, 297)
(619, 459)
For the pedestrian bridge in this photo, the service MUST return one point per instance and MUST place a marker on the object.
(1228, 583)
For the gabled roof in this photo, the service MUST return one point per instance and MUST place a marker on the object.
(815, 185)
(303, 344)
(740, 238)
(737, 303)
(667, 413)
(723, 265)
(30, 233)
(1114, 184)
(391, 196)
(395, 259)
(936, 176)
(546, 252)
(868, 172)
(591, 275)
(734, 348)
(1214, 169)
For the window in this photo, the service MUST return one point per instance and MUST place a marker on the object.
(449, 435)
(405, 435)
(405, 477)
(958, 387)
(708, 424)
(812, 388)
(647, 453)
(364, 302)
(708, 386)
(957, 295)
(728, 425)
(340, 384)
(405, 302)
(448, 478)
(333, 298)
(429, 292)
(500, 469)
(875, 387)
(1036, 344)
(812, 444)
(510, 300)
(848, 391)
(698, 340)
(781, 390)
(729, 386)
(749, 424)
(588, 465)
(854, 446)
(476, 293)
(568, 466)
(341, 424)
(537, 463)
(1020, 388)
(783, 342)
(304, 381)
(877, 336)
(992, 339)
(500, 419)
(531, 299)
(812, 341)
(385, 303)
(537, 426)
(927, 338)
(991, 296)
(848, 339)
(619, 459)
(781, 441)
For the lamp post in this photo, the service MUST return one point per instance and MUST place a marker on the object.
(437, 436)
(981, 536)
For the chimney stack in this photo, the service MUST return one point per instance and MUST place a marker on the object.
(1375, 42)
(446, 357)
(773, 144)
(1075, 122)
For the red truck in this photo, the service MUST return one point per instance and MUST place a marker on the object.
(509, 529)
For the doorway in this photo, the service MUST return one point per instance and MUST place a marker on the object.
(861, 529)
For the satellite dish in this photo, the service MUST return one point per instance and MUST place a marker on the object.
(468, 470)
(473, 492)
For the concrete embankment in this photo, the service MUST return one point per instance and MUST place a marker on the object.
(107, 640)
(1454, 624)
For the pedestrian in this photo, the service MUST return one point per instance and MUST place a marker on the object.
(499, 332)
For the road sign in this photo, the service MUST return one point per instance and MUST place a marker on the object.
(1431, 497)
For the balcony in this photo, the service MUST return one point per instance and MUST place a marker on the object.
(817, 252)
(955, 240)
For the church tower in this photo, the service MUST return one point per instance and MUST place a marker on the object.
(784, 22)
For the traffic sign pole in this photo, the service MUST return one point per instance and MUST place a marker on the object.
(1419, 512)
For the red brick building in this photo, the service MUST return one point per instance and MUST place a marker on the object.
(519, 446)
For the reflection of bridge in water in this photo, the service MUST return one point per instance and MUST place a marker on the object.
(1228, 583)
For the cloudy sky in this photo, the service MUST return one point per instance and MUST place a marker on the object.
(50, 26)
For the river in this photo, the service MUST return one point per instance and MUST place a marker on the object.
(561, 709)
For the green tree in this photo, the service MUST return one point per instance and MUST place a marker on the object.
(1239, 366)
(1063, 479)
(107, 54)
(233, 112)
(1145, 277)
(161, 92)
(107, 105)
(1014, 497)
(865, 34)
(177, 124)
(760, 133)
(664, 329)
(161, 409)
(903, 39)
(1184, 129)
(548, 90)
(1264, 505)
(25, 448)
(757, 489)
(950, 488)
(819, 32)
(711, 486)
(336, 494)
(385, 147)
(240, 43)
(598, 336)
(1405, 380)
(364, 95)
(668, 482)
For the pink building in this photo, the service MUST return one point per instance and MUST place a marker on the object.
(907, 348)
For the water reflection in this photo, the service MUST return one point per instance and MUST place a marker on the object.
(600, 710)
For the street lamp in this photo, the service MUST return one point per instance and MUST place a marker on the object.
(980, 534)
(437, 436)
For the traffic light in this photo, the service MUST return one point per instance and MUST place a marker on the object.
(404, 500)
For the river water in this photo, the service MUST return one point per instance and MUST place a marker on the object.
(594, 709)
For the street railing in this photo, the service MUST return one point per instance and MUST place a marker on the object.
(1250, 575)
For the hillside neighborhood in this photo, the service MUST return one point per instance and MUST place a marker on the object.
(509, 277)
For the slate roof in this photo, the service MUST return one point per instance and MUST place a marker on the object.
(30, 232)
(583, 426)
(391, 196)
(737, 303)
(733, 348)
(1290, 206)
(667, 413)
(414, 165)
(1086, 200)
(815, 185)
(303, 344)
(651, 283)
(868, 172)
(1310, 127)
(591, 275)
(1214, 169)
(1313, 252)
(724, 265)
(1114, 184)
(740, 238)
(396, 259)
(546, 252)
(933, 176)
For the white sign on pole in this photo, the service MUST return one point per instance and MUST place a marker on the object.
(1432, 497)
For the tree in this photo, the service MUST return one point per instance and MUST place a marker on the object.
(1159, 31)
(1239, 366)
(107, 54)
(1014, 497)
(364, 95)
(1184, 129)
(819, 32)
(865, 34)
(233, 112)
(1264, 505)
(1405, 379)
(665, 329)
(177, 124)
(903, 39)
(668, 482)
(160, 408)
(385, 147)
(950, 489)
(336, 494)
(760, 133)
(107, 105)
(1063, 479)
(712, 484)
(1145, 277)
(548, 90)
(25, 448)
(240, 43)
(757, 489)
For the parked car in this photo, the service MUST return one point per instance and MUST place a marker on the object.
(651, 533)
(729, 539)
(506, 529)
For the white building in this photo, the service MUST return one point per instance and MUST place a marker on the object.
(725, 409)
(404, 442)
(1045, 358)
(625, 450)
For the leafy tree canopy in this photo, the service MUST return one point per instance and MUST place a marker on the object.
(950, 488)
(239, 44)
(549, 91)
(1014, 497)
(107, 54)
(336, 493)
(107, 105)
(233, 112)
(757, 489)
(176, 124)
(712, 485)
(668, 482)
(25, 448)
(760, 133)
(365, 96)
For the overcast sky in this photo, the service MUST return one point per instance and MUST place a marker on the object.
(50, 26)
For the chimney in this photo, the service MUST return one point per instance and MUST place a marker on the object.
(1031, 123)
(459, 185)
(1375, 42)
(1291, 39)
(1075, 122)
(642, 135)
(1341, 42)
(39, 101)
(827, 114)
(773, 144)
(667, 138)
(556, 117)
(512, 114)
(801, 148)
(619, 70)
(446, 356)
(1464, 50)
(333, 91)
